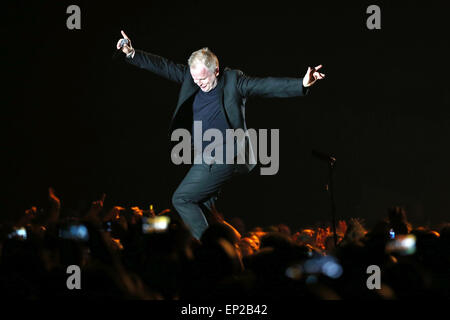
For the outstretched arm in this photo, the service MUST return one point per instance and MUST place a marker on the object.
(272, 87)
(151, 62)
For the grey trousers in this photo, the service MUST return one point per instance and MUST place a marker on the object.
(198, 192)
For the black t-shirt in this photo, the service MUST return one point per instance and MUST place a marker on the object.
(207, 108)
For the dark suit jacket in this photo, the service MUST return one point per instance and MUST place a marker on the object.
(234, 88)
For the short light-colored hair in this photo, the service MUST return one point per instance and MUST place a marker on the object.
(205, 56)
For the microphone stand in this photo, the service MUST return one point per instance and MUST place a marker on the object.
(329, 187)
(333, 204)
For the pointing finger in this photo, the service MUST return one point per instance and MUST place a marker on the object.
(124, 35)
(318, 67)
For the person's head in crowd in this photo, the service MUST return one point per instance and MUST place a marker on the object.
(219, 230)
(217, 259)
(355, 231)
(247, 246)
(398, 220)
(284, 229)
(271, 228)
(276, 240)
(427, 249)
(304, 236)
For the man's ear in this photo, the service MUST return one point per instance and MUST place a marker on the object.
(216, 73)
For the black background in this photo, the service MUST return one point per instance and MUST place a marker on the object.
(79, 120)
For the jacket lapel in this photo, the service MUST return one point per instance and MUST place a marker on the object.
(188, 89)
(220, 85)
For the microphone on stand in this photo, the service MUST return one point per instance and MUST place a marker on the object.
(323, 156)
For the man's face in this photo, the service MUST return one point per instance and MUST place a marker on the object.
(203, 77)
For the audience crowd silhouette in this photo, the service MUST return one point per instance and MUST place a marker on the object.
(120, 257)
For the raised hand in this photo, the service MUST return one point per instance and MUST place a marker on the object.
(96, 207)
(312, 75)
(164, 211)
(114, 213)
(127, 48)
(54, 200)
(31, 212)
(28, 216)
(341, 228)
(55, 206)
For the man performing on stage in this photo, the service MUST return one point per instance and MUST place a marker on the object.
(216, 98)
